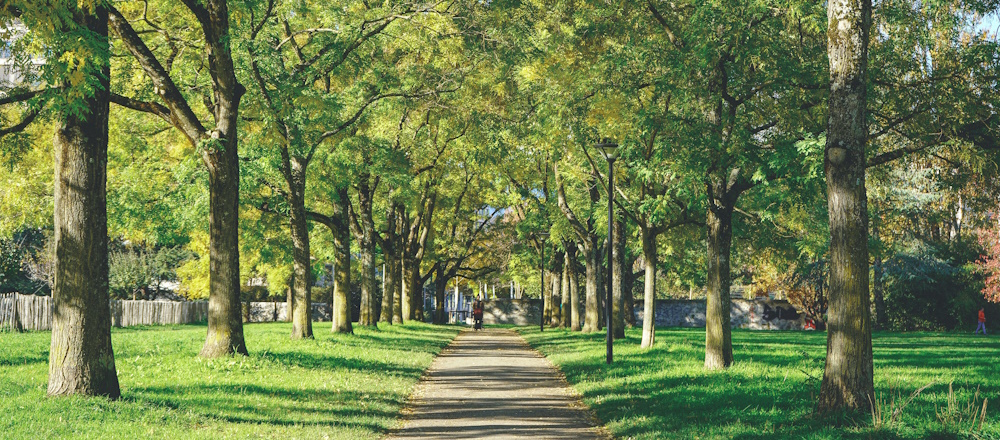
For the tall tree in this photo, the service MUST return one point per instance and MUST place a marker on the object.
(590, 243)
(81, 360)
(217, 144)
(848, 380)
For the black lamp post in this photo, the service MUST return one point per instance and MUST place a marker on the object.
(542, 236)
(609, 151)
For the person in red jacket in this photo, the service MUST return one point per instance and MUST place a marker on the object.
(477, 314)
(982, 322)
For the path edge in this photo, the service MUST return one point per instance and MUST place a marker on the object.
(406, 411)
(598, 424)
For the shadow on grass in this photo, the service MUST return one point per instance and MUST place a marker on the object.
(768, 393)
(14, 361)
(275, 405)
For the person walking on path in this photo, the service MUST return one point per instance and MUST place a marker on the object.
(477, 313)
(982, 322)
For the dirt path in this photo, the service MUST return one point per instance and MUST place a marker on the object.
(490, 385)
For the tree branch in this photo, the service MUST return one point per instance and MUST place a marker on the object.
(152, 108)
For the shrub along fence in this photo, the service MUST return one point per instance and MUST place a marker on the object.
(29, 312)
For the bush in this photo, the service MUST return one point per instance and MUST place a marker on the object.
(136, 272)
(26, 263)
(923, 292)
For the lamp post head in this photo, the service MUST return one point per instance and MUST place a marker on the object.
(609, 149)
(543, 235)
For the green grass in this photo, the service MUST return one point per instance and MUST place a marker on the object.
(769, 393)
(335, 386)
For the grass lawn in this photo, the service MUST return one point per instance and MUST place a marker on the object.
(335, 386)
(769, 392)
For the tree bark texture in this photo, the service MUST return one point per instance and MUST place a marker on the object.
(649, 256)
(564, 297)
(718, 327)
(628, 298)
(81, 360)
(547, 296)
(848, 374)
(574, 288)
(218, 147)
(290, 298)
(369, 307)
(342, 271)
(397, 289)
(415, 249)
(301, 311)
(405, 267)
(592, 307)
(555, 278)
(618, 278)
(389, 274)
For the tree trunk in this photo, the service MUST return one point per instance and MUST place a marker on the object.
(397, 289)
(547, 296)
(225, 325)
(440, 290)
(592, 307)
(342, 272)
(81, 360)
(301, 311)
(848, 375)
(368, 316)
(628, 298)
(218, 146)
(388, 290)
(574, 288)
(649, 256)
(564, 297)
(555, 296)
(290, 298)
(409, 289)
(369, 307)
(406, 266)
(618, 280)
(718, 330)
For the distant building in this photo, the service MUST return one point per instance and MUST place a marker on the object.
(11, 73)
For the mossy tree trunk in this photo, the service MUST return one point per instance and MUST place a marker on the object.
(339, 225)
(848, 374)
(564, 297)
(218, 146)
(301, 311)
(718, 329)
(81, 360)
(364, 227)
(391, 261)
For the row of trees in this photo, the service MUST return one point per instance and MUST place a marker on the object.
(445, 136)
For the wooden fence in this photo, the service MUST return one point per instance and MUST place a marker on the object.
(29, 312)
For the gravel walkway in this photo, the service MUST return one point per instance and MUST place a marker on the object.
(491, 385)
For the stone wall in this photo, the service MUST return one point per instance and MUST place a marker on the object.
(511, 311)
(278, 311)
(747, 314)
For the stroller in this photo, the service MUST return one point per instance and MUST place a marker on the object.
(477, 315)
